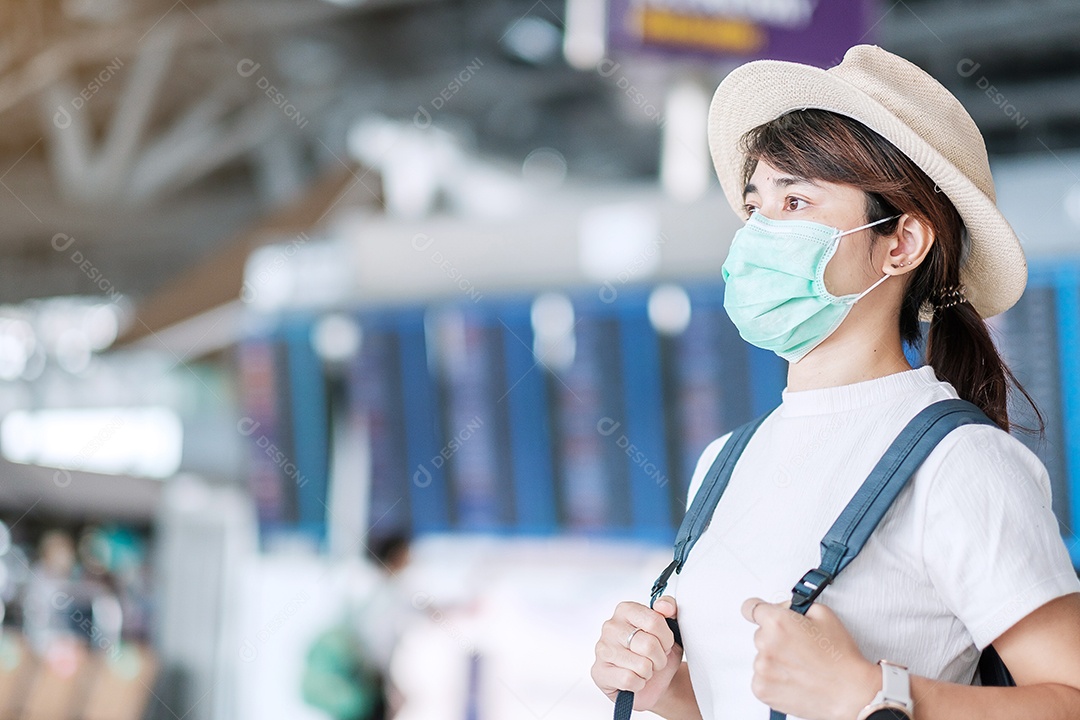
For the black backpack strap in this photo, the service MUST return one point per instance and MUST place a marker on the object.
(856, 523)
(693, 525)
(992, 670)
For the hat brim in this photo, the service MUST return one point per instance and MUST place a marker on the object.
(994, 271)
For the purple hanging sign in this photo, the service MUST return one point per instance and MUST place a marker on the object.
(815, 32)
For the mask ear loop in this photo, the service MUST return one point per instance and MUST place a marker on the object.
(884, 277)
(865, 292)
(867, 225)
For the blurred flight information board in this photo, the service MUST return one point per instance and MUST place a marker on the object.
(475, 426)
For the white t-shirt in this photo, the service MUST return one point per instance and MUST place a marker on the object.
(970, 546)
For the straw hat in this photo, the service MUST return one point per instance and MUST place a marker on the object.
(908, 108)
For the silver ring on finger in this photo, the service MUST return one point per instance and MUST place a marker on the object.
(630, 637)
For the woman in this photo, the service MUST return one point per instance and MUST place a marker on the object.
(870, 205)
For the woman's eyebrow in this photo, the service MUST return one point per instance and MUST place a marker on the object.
(789, 180)
(783, 181)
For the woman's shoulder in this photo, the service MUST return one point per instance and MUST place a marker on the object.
(705, 461)
(976, 465)
(978, 457)
(987, 524)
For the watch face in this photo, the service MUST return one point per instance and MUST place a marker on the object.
(889, 714)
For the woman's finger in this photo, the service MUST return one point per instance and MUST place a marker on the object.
(749, 607)
(620, 657)
(643, 643)
(641, 616)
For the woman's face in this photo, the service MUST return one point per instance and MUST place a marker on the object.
(780, 196)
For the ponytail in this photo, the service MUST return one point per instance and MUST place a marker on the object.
(961, 351)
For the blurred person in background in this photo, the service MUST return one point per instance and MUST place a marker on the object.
(869, 181)
(347, 669)
(50, 596)
(71, 594)
(382, 613)
(113, 558)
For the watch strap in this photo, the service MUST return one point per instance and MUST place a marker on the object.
(895, 685)
(894, 698)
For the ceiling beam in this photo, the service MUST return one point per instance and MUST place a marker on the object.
(218, 279)
(213, 24)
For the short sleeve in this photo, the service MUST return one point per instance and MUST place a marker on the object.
(704, 462)
(991, 543)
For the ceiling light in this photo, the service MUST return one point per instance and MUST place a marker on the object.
(142, 442)
(619, 242)
(533, 40)
(669, 309)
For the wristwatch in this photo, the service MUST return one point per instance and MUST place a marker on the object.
(893, 702)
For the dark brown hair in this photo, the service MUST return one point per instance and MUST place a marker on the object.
(822, 145)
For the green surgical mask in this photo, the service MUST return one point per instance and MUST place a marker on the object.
(774, 284)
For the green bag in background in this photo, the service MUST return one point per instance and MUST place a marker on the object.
(336, 678)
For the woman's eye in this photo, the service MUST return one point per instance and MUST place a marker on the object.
(793, 203)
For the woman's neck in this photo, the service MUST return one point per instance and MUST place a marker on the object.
(847, 357)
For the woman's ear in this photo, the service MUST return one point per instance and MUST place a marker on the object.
(909, 245)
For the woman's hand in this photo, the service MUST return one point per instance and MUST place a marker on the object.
(809, 665)
(645, 666)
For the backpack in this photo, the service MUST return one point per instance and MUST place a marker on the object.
(848, 533)
(337, 680)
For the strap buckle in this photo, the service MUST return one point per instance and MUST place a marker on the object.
(808, 588)
(661, 582)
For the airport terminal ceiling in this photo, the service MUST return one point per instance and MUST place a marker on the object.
(152, 131)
